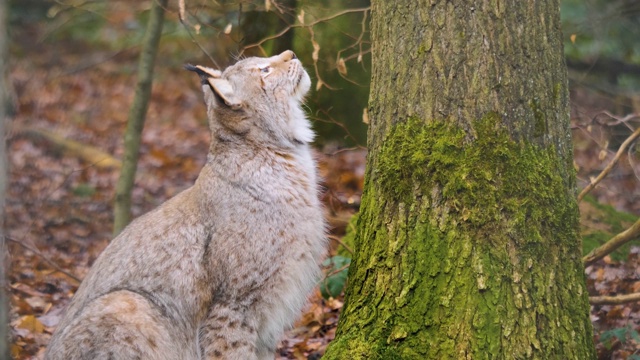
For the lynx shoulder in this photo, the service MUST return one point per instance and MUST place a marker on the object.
(223, 268)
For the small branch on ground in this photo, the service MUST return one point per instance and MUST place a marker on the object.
(88, 153)
(612, 244)
(609, 166)
(614, 300)
(51, 263)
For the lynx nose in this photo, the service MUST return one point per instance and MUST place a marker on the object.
(288, 55)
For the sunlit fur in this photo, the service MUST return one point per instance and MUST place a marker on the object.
(223, 268)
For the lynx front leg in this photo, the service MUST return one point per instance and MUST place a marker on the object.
(228, 334)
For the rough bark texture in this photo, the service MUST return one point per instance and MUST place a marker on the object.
(137, 113)
(467, 244)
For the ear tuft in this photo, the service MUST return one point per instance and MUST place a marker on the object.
(203, 71)
(224, 90)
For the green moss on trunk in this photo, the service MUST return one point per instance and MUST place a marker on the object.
(473, 252)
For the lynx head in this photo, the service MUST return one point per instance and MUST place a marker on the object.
(258, 100)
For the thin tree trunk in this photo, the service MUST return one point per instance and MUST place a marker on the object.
(467, 244)
(137, 113)
(4, 100)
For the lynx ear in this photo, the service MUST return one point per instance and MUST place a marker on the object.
(220, 87)
(224, 90)
(204, 72)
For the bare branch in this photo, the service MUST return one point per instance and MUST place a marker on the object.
(612, 244)
(610, 166)
(614, 300)
(316, 50)
(357, 42)
(357, 55)
(332, 120)
(276, 5)
(338, 14)
(618, 120)
(264, 40)
(351, 57)
(183, 21)
(35, 250)
(305, 25)
(309, 27)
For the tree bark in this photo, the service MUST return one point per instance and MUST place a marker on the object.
(137, 113)
(467, 244)
(4, 104)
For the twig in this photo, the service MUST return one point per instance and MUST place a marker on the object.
(354, 148)
(358, 43)
(316, 51)
(45, 258)
(611, 164)
(354, 56)
(612, 244)
(614, 300)
(337, 271)
(339, 241)
(618, 119)
(89, 63)
(630, 156)
(309, 25)
(331, 120)
(183, 21)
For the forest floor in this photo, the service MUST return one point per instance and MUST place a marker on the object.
(64, 144)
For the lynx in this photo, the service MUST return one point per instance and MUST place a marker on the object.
(221, 270)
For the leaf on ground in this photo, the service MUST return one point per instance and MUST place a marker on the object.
(30, 323)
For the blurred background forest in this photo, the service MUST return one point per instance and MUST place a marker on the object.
(72, 76)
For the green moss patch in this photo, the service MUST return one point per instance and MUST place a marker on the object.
(484, 181)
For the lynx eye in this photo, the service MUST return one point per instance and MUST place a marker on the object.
(265, 69)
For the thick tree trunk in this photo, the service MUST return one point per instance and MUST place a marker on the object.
(467, 244)
(137, 113)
